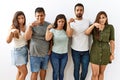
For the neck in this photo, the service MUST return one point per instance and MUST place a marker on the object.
(41, 22)
(21, 25)
(78, 18)
(102, 27)
(59, 28)
(22, 28)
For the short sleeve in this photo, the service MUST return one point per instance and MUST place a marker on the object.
(112, 34)
(52, 30)
(71, 25)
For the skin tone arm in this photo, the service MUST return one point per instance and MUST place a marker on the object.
(112, 47)
(11, 33)
(50, 47)
(89, 30)
(69, 29)
(48, 35)
(28, 32)
(9, 37)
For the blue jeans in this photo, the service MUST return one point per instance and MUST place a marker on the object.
(80, 57)
(37, 63)
(58, 62)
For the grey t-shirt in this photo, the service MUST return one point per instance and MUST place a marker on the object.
(38, 45)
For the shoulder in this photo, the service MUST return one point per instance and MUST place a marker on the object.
(86, 20)
(46, 23)
(52, 30)
(110, 25)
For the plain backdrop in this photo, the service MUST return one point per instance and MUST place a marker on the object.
(53, 8)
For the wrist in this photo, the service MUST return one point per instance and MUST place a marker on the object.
(30, 27)
(68, 23)
(48, 29)
(11, 33)
(112, 54)
(93, 25)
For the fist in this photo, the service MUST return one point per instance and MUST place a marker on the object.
(15, 33)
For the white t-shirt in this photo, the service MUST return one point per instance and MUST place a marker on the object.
(80, 41)
(20, 42)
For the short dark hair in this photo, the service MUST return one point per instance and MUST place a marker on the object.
(40, 9)
(78, 4)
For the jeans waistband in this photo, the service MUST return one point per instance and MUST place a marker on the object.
(20, 47)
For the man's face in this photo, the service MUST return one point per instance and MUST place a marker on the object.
(79, 11)
(40, 16)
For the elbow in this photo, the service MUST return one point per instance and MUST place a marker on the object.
(47, 39)
(69, 35)
(87, 33)
(27, 37)
(8, 41)
(112, 42)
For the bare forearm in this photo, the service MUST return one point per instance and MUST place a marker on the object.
(9, 37)
(112, 46)
(89, 30)
(48, 35)
(28, 33)
(69, 30)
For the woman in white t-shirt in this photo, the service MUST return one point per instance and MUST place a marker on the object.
(59, 56)
(20, 50)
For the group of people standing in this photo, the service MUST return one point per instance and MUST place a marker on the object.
(50, 41)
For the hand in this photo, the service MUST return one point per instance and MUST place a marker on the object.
(34, 24)
(71, 20)
(15, 32)
(111, 57)
(97, 25)
(49, 52)
(50, 26)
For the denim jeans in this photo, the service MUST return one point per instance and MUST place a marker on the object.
(37, 63)
(80, 58)
(19, 56)
(58, 62)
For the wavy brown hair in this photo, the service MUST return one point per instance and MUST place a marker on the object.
(15, 22)
(97, 21)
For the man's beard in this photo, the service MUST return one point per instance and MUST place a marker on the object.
(79, 15)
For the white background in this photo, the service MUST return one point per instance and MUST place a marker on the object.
(52, 8)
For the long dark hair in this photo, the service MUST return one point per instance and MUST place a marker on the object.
(97, 21)
(15, 22)
(60, 16)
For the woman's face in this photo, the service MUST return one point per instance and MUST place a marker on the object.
(61, 22)
(102, 19)
(21, 19)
